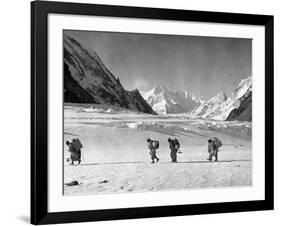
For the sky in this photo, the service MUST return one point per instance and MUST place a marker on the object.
(201, 65)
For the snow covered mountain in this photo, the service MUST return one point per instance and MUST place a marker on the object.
(244, 94)
(87, 80)
(244, 111)
(238, 106)
(164, 101)
(206, 107)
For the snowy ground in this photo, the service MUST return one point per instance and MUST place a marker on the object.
(115, 156)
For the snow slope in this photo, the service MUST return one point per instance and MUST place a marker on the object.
(115, 156)
(164, 101)
(87, 80)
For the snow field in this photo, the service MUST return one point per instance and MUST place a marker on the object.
(116, 159)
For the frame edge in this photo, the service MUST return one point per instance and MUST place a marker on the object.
(39, 120)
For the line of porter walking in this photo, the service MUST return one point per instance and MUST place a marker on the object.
(213, 148)
(74, 148)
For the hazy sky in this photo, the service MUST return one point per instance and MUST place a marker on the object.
(202, 65)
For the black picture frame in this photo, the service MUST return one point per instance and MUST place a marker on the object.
(39, 112)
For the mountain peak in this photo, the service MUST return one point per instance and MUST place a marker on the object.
(246, 81)
(243, 86)
(159, 89)
(221, 94)
(220, 97)
(165, 101)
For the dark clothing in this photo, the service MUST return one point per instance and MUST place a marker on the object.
(213, 151)
(174, 151)
(152, 151)
(153, 154)
(173, 155)
(75, 155)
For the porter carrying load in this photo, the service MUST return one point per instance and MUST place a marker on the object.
(174, 147)
(153, 145)
(74, 148)
(177, 145)
(213, 148)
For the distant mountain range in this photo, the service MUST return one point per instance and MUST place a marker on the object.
(87, 80)
(164, 101)
(238, 106)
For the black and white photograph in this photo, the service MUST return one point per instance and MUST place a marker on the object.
(155, 112)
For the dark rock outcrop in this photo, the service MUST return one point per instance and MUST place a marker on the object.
(73, 92)
(87, 80)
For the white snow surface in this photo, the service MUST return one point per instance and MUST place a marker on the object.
(115, 157)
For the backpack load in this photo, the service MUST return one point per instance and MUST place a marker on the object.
(176, 144)
(77, 144)
(217, 142)
(155, 144)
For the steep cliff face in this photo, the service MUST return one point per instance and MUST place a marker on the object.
(87, 80)
(73, 92)
(244, 111)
